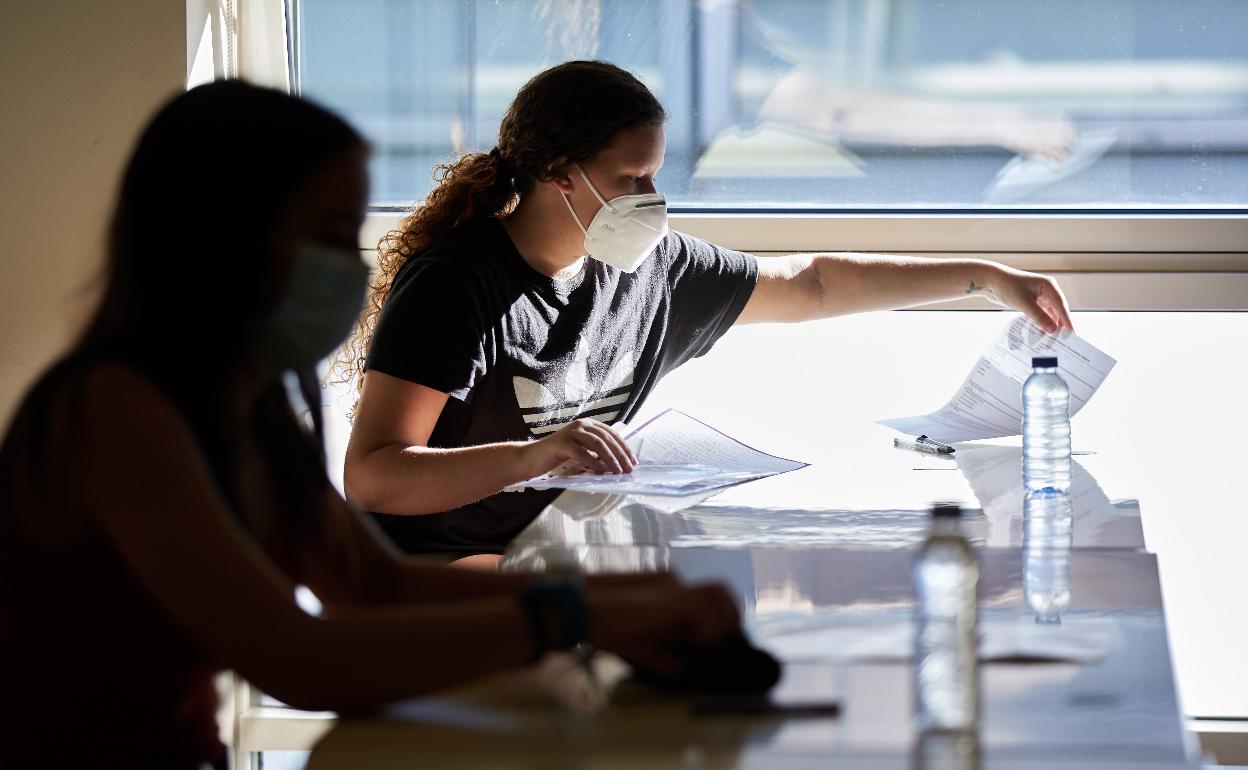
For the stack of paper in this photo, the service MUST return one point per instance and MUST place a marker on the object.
(677, 456)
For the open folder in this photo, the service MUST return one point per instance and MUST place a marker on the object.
(678, 456)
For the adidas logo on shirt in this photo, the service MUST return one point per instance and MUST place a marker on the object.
(545, 412)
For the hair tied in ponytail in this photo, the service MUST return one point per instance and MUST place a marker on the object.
(505, 171)
(566, 114)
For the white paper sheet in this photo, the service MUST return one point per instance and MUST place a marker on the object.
(989, 403)
(677, 456)
(1073, 641)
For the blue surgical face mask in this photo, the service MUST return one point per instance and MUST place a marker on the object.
(323, 297)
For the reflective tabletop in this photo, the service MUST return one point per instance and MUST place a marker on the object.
(1157, 453)
(1120, 711)
(1163, 431)
(991, 472)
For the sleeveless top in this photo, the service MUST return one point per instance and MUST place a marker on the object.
(95, 673)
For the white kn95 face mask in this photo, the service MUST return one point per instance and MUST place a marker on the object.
(625, 230)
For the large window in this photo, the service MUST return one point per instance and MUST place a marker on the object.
(826, 105)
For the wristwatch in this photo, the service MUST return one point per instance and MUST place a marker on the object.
(555, 606)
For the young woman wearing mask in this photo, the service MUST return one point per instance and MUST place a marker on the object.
(536, 296)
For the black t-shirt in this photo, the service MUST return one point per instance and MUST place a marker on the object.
(521, 354)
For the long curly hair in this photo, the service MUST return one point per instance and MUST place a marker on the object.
(563, 116)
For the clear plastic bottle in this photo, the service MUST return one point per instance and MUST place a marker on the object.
(1046, 429)
(946, 662)
(942, 750)
(1047, 538)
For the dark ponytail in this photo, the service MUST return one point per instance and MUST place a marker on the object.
(564, 115)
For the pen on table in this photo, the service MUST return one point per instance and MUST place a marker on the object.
(928, 448)
(933, 442)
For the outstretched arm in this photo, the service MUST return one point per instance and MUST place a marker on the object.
(804, 287)
(147, 487)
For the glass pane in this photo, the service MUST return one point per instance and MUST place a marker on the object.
(826, 104)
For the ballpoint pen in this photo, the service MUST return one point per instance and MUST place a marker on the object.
(933, 442)
(928, 448)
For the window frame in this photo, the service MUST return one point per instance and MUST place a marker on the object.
(1105, 259)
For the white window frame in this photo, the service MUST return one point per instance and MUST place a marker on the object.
(1167, 261)
(1142, 261)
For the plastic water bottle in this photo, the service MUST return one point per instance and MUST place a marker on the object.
(939, 750)
(1046, 429)
(1047, 539)
(946, 661)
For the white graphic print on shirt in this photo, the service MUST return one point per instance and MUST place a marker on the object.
(546, 412)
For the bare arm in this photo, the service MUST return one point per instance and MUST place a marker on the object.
(387, 576)
(894, 117)
(147, 487)
(149, 490)
(390, 467)
(384, 575)
(391, 576)
(803, 287)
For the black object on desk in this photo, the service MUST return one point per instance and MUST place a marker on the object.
(731, 666)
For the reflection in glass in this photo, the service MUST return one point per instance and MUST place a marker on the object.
(848, 104)
(938, 750)
(1048, 534)
(582, 517)
(993, 473)
(591, 560)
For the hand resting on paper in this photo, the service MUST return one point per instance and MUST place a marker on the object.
(584, 445)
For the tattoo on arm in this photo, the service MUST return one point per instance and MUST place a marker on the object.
(973, 289)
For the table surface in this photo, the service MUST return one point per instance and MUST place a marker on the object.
(738, 517)
(1121, 709)
(1163, 430)
(1157, 432)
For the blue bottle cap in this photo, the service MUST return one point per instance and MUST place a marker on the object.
(1046, 362)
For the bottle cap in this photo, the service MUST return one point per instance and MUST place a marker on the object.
(1047, 362)
(946, 509)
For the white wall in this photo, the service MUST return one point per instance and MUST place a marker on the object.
(77, 82)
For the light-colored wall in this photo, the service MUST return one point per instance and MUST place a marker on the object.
(78, 79)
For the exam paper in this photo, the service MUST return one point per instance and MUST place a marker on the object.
(989, 403)
(677, 456)
(1073, 641)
